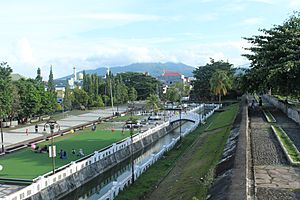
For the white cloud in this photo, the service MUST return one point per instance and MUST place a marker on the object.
(252, 21)
(264, 1)
(25, 51)
(294, 3)
(119, 17)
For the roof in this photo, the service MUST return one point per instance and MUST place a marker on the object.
(171, 74)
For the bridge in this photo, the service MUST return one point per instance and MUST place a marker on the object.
(189, 116)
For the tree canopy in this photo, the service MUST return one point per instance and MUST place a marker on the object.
(203, 74)
(275, 59)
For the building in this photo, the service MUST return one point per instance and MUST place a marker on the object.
(169, 78)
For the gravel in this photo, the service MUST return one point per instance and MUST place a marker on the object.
(266, 149)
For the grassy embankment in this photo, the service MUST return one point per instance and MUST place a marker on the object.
(197, 157)
(287, 143)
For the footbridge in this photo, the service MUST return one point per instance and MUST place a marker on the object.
(193, 116)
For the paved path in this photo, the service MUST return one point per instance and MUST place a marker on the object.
(274, 178)
(27, 133)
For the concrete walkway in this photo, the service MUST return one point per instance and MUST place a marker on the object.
(27, 133)
(274, 177)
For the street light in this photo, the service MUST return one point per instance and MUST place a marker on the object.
(52, 124)
(2, 142)
(131, 124)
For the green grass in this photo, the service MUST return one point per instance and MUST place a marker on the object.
(287, 143)
(224, 118)
(201, 164)
(26, 164)
(269, 116)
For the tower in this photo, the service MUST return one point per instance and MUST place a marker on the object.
(74, 73)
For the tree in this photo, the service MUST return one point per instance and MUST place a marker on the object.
(153, 102)
(142, 83)
(68, 98)
(30, 97)
(275, 59)
(51, 85)
(6, 97)
(132, 94)
(201, 87)
(16, 104)
(38, 75)
(80, 98)
(172, 94)
(220, 83)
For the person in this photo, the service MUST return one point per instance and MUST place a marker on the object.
(36, 128)
(94, 127)
(61, 154)
(80, 153)
(44, 149)
(64, 156)
(260, 102)
(73, 151)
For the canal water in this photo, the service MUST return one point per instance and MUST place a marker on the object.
(97, 187)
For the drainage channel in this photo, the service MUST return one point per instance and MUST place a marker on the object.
(100, 185)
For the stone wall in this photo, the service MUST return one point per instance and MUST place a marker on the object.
(70, 183)
(284, 107)
(231, 171)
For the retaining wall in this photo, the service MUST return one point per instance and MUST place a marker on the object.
(288, 110)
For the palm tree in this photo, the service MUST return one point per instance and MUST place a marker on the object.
(153, 102)
(220, 83)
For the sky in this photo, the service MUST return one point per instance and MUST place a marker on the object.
(98, 33)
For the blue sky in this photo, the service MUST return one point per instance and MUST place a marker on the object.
(96, 33)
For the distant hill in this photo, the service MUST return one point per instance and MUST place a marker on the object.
(154, 69)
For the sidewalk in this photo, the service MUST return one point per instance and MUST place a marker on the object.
(274, 177)
(27, 133)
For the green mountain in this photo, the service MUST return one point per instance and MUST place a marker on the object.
(154, 69)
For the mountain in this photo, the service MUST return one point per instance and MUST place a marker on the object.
(154, 69)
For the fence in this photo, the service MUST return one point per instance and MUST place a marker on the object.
(48, 179)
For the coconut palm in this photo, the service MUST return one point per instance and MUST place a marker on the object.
(220, 83)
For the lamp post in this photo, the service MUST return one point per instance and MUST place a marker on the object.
(52, 124)
(131, 124)
(2, 142)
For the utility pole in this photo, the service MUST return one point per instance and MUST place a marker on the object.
(111, 94)
(52, 123)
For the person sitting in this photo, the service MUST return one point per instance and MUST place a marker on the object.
(44, 149)
(80, 153)
(61, 154)
(64, 155)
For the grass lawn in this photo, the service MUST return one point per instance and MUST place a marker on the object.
(224, 118)
(26, 164)
(201, 150)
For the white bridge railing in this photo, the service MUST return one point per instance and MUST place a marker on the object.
(48, 179)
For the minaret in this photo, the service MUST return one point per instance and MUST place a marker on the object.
(74, 73)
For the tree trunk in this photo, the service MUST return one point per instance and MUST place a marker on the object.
(220, 98)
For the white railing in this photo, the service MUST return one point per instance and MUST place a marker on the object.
(48, 179)
(139, 169)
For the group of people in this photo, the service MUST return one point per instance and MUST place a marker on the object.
(80, 152)
(63, 155)
(37, 149)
